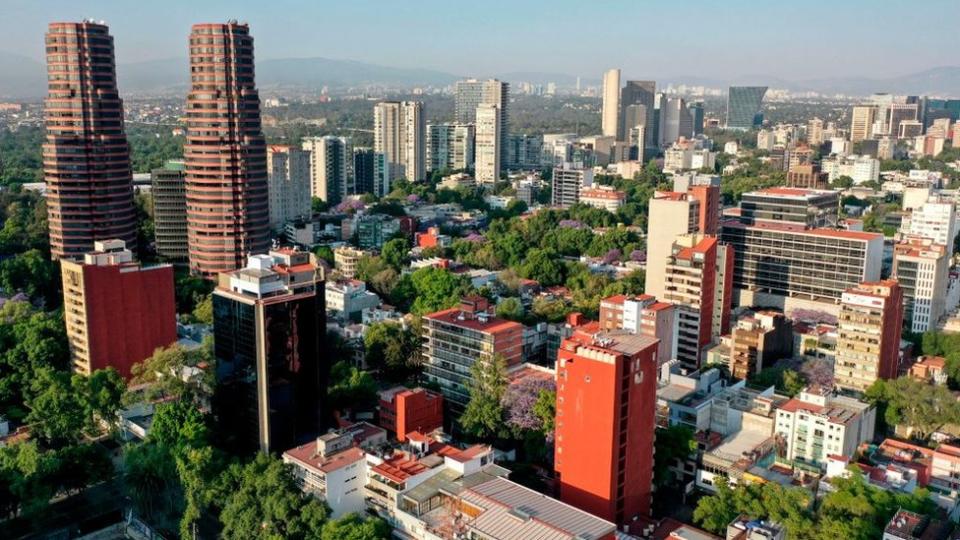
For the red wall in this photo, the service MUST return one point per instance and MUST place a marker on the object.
(129, 314)
(588, 431)
(708, 222)
(418, 410)
(892, 333)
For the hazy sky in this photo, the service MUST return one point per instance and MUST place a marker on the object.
(647, 38)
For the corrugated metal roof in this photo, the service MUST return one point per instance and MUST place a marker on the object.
(513, 512)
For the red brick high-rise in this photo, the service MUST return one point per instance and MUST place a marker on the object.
(606, 416)
(86, 158)
(225, 152)
(116, 311)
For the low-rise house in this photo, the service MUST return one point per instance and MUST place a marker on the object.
(905, 525)
(333, 468)
(930, 369)
(817, 424)
(684, 397)
(347, 298)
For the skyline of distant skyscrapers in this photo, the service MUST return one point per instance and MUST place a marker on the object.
(225, 151)
(86, 156)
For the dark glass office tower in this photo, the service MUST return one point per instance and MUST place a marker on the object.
(363, 169)
(272, 369)
(743, 106)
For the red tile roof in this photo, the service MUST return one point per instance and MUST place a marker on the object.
(307, 455)
(493, 324)
(399, 468)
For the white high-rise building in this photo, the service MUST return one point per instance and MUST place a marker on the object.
(675, 121)
(766, 140)
(935, 219)
(860, 168)
(470, 93)
(487, 159)
(862, 121)
(331, 167)
(450, 146)
(288, 184)
(671, 214)
(399, 132)
(568, 182)
(815, 132)
(922, 267)
(610, 118)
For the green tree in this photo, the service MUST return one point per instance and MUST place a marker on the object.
(351, 388)
(152, 484)
(915, 404)
(203, 312)
(145, 228)
(484, 415)
(434, 289)
(510, 308)
(714, 512)
(393, 349)
(33, 274)
(671, 443)
(354, 527)
(190, 290)
(261, 501)
(324, 253)
(395, 253)
(861, 511)
(64, 408)
(57, 412)
(842, 182)
(178, 424)
(163, 374)
(543, 266)
(545, 408)
(30, 341)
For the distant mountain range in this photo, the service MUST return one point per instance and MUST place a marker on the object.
(24, 77)
(944, 81)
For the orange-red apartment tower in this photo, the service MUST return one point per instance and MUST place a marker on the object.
(86, 158)
(116, 311)
(225, 152)
(606, 416)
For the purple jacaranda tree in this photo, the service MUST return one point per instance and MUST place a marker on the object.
(519, 399)
(818, 373)
(812, 315)
(638, 255)
(612, 256)
(350, 206)
(571, 224)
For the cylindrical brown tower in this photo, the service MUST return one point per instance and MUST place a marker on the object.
(225, 152)
(86, 158)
